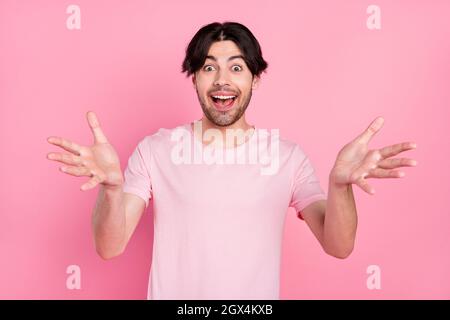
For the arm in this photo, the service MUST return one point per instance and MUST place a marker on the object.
(115, 217)
(334, 221)
(340, 221)
(116, 214)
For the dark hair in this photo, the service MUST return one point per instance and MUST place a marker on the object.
(198, 48)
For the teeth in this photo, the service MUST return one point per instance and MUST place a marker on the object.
(224, 97)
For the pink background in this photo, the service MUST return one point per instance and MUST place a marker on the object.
(328, 77)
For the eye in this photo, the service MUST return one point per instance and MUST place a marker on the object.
(239, 68)
(206, 67)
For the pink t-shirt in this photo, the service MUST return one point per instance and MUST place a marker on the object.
(218, 224)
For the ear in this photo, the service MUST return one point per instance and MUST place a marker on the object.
(255, 82)
(193, 81)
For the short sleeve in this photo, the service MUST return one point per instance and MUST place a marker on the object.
(137, 174)
(306, 186)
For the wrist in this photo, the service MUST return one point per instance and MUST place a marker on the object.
(336, 181)
(112, 188)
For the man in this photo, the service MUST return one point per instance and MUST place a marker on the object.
(218, 223)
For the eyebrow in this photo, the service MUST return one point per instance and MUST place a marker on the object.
(229, 59)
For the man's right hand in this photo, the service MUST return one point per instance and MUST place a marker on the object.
(98, 161)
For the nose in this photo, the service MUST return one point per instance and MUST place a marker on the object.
(221, 79)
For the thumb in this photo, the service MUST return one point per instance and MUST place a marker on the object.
(99, 136)
(373, 128)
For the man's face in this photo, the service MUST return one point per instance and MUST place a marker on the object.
(224, 84)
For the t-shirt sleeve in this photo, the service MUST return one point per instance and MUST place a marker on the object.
(137, 174)
(306, 186)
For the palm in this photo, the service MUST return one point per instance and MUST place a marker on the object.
(351, 157)
(355, 163)
(105, 158)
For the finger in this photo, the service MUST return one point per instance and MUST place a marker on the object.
(94, 124)
(65, 144)
(396, 162)
(383, 173)
(66, 158)
(363, 184)
(77, 171)
(92, 183)
(373, 128)
(395, 149)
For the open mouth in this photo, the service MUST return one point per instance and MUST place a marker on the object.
(223, 103)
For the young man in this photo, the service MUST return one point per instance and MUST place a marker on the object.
(218, 223)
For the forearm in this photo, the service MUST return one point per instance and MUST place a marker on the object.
(340, 220)
(109, 221)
